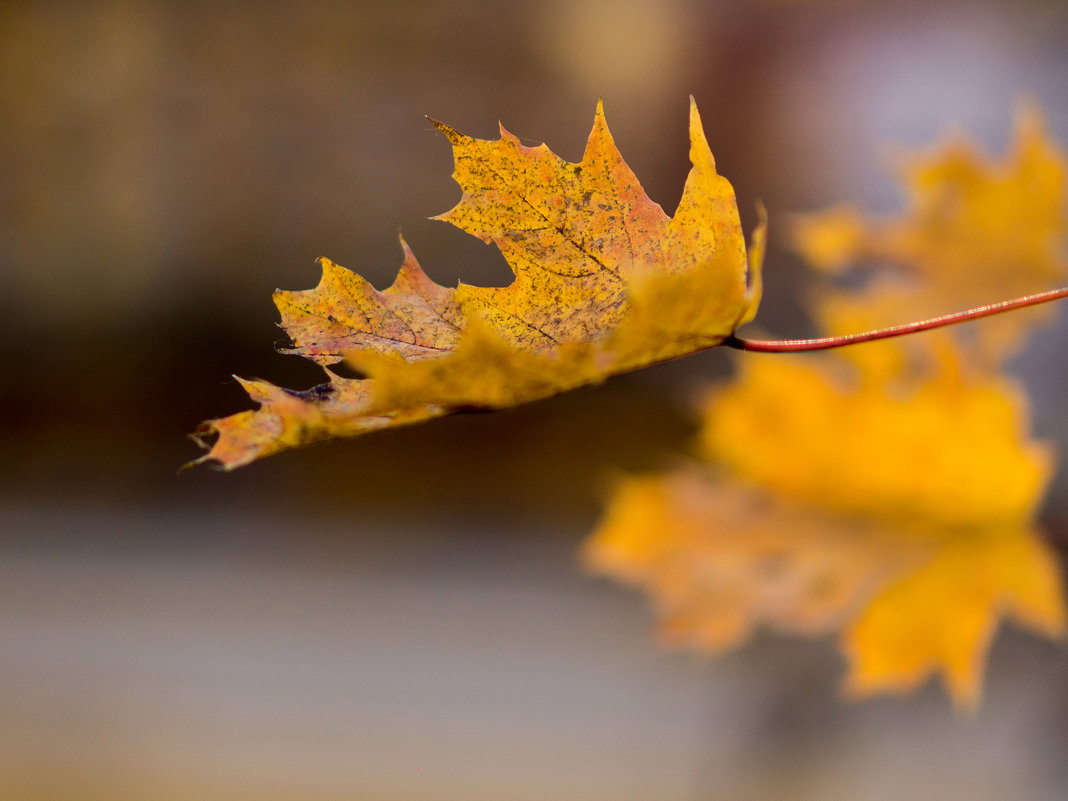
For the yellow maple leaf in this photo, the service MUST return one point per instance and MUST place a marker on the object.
(941, 617)
(976, 229)
(605, 282)
(897, 515)
(719, 558)
(944, 448)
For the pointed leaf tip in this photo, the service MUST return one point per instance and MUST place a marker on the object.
(700, 152)
(599, 122)
(451, 133)
(600, 136)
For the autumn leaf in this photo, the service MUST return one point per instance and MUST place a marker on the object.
(942, 616)
(944, 447)
(976, 229)
(721, 558)
(936, 468)
(605, 282)
(897, 516)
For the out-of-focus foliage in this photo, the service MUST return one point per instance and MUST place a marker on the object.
(898, 515)
(975, 230)
(806, 428)
(604, 283)
(885, 493)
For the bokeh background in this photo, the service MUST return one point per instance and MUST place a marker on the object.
(402, 616)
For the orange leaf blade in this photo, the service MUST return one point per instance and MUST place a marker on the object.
(605, 282)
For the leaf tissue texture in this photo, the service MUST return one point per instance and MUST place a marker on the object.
(605, 282)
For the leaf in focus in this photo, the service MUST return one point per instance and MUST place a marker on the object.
(897, 516)
(976, 230)
(605, 282)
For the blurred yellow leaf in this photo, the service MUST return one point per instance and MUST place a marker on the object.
(941, 617)
(975, 230)
(605, 282)
(941, 448)
(719, 558)
(833, 239)
(896, 514)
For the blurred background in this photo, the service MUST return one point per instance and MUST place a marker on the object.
(401, 616)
